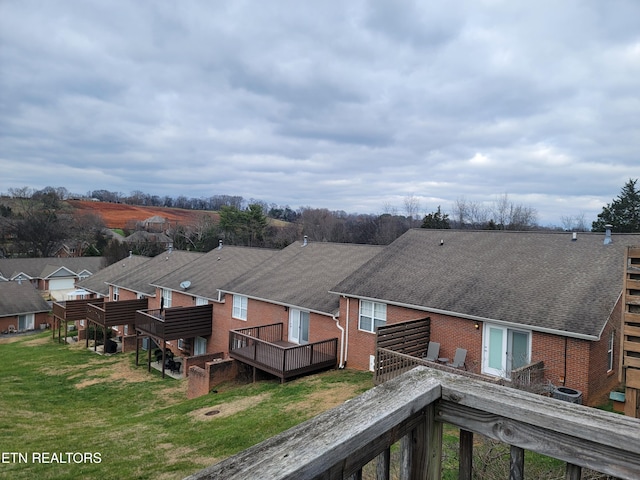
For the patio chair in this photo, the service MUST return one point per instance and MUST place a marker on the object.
(175, 367)
(458, 359)
(433, 350)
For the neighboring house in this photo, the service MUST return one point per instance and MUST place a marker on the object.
(508, 298)
(197, 284)
(22, 308)
(53, 276)
(134, 284)
(142, 237)
(156, 224)
(292, 289)
(97, 284)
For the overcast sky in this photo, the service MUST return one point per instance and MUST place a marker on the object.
(346, 105)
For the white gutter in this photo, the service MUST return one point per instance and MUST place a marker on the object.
(506, 323)
(342, 345)
(346, 346)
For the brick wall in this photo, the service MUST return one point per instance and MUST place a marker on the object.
(321, 327)
(450, 332)
(203, 380)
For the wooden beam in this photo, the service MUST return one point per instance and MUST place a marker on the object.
(466, 455)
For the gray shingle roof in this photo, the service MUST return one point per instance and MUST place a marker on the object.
(41, 267)
(97, 283)
(19, 299)
(139, 279)
(215, 269)
(302, 276)
(543, 280)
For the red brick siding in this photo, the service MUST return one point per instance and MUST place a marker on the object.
(321, 327)
(584, 368)
(39, 319)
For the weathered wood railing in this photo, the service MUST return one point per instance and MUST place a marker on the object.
(284, 361)
(413, 407)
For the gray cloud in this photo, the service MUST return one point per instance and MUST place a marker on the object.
(346, 106)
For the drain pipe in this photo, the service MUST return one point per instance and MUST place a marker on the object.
(346, 344)
(342, 346)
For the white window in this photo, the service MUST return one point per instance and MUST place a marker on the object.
(126, 330)
(610, 351)
(504, 350)
(201, 301)
(116, 294)
(166, 298)
(372, 315)
(298, 326)
(240, 307)
(200, 346)
(26, 322)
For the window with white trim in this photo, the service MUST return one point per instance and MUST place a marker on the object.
(372, 315)
(240, 307)
(200, 301)
(116, 294)
(166, 298)
(610, 351)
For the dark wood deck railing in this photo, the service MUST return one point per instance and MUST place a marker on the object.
(412, 409)
(256, 346)
(176, 322)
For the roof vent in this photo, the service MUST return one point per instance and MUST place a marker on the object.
(574, 236)
(305, 241)
(607, 234)
(219, 244)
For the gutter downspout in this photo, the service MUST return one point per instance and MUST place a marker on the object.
(346, 345)
(342, 345)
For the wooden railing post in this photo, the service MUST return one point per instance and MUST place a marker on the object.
(383, 465)
(516, 465)
(465, 467)
(573, 472)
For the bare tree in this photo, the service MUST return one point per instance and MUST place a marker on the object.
(575, 223)
(411, 208)
(468, 214)
(509, 216)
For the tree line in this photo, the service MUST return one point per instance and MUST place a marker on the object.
(36, 222)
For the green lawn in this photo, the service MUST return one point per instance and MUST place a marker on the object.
(57, 399)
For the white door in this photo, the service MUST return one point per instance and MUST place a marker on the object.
(26, 322)
(298, 326)
(200, 346)
(494, 361)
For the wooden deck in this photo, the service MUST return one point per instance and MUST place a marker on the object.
(412, 409)
(278, 357)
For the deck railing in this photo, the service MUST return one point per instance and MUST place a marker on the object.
(412, 409)
(256, 346)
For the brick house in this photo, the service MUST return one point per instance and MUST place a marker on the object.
(508, 298)
(22, 308)
(53, 276)
(292, 289)
(197, 283)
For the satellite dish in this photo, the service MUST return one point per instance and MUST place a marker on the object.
(186, 284)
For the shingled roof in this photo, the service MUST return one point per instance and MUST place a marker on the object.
(97, 283)
(20, 299)
(215, 269)
(139, 279)
(301, 276)
(43, 267)
(546, 281)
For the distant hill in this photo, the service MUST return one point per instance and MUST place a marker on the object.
(116, 215)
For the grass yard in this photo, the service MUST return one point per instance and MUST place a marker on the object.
(58, 398)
